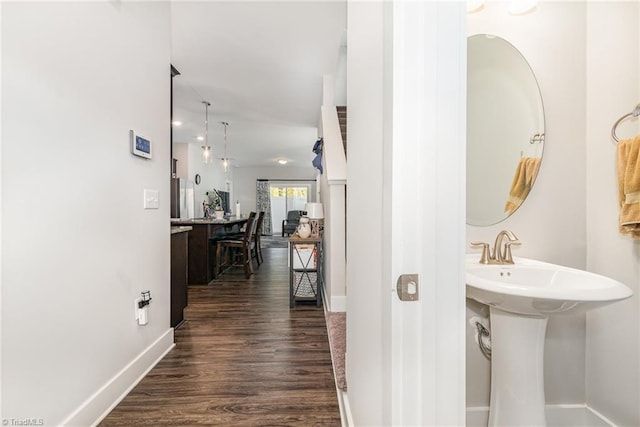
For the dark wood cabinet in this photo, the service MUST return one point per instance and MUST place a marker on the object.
(200, 266)
(179, 256)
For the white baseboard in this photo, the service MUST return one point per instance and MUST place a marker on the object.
(557, 415)
(338, 304)
(346, 418)
(98, 406)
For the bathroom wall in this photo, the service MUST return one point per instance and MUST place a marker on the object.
(613, 89)
(551, 223)
(587, 59)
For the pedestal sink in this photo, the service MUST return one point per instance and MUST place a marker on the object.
(521, 296)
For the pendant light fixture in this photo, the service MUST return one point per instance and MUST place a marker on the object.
(207, 155)
(225, 159)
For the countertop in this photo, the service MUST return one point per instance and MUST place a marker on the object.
(196, 221)
(180, 229)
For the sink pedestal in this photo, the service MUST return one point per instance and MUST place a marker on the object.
(517, 370)
(521, 296)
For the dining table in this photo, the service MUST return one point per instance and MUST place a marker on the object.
(200, 252)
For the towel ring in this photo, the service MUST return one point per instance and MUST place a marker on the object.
(634, 113)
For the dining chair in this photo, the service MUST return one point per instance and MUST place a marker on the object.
(256, 248)
(237, 251)
(214, 261)
(234, 232)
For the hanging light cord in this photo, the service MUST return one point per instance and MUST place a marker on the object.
(206, 149)
(206, 122)
(225, 163)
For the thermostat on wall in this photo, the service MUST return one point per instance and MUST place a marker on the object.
(140, 146)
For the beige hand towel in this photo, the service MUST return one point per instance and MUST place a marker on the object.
(523, 179)
(628, 168)
(517, 188)
(532, 166)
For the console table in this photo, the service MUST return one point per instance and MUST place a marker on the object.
(305, 270)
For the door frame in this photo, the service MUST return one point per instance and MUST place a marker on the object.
(427, 338)
(406, 212)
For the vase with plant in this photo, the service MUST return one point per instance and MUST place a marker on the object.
(215, 203)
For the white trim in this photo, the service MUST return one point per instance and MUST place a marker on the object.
(338, 304)
(346, 419)
(345, 410)
(599, 415)
(333, 156)
(554, 408)
(427, 213)
(478, 409)
(98, 406)
(1, 210)
(334, 304)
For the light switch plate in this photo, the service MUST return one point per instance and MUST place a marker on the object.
(151, 200)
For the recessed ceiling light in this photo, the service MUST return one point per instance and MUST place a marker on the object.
(282, 161)
(200, 138)
(177, 123)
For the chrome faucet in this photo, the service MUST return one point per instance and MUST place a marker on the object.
(501, 253)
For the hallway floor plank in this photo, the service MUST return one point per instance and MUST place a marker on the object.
(242, 358)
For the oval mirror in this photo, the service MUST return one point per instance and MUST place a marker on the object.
(505, 129)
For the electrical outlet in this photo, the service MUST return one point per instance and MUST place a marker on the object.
(142, 313)
(136, 309)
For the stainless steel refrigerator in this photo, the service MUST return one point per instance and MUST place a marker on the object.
(182, 198)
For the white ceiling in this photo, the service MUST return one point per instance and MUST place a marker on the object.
(260, 65)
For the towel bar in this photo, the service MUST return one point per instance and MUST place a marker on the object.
(634, 113)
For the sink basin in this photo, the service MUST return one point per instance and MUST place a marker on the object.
(521, 297)
(535, 288)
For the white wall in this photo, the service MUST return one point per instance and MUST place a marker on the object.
(613, 88)
(181, 153)
(333, 200)
(244, 183)
(212, 176)
(364, 359)
(587, 59)
(333, 193)
(340, 93)
(406, 92)
(77, 245)
(551, 223)
(1, 210)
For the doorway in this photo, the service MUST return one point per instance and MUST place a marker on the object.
(285, 198)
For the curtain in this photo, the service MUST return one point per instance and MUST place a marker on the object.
(263, 203)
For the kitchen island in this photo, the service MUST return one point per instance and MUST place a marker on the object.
(200, 253)
(179, 255)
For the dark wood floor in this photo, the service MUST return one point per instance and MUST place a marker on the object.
(242, 358)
